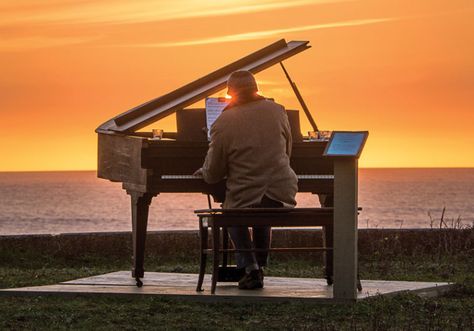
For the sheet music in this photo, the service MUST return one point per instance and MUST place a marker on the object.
(214, 107)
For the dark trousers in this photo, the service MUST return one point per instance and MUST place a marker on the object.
(261, 238)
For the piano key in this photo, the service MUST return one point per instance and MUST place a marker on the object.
(180, 177)
(315, 176)
(200, 177)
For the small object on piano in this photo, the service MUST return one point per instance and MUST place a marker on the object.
(313, 135)
(319, 135)
(157, 134)
(324, 135)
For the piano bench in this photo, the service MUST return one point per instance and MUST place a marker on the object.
(218, 219)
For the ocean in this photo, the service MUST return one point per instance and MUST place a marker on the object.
(61, 202)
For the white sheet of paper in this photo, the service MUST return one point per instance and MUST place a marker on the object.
(214, 107)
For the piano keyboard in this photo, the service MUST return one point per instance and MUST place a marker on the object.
(200, 177)
(315, 176)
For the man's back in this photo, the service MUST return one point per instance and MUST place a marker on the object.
(251, 145)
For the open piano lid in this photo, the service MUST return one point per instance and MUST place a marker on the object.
(158, 108)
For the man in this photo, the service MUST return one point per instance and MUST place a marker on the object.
(250, 146)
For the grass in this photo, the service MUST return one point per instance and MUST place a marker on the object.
(453, 311)
(399, 313)
(386, 258)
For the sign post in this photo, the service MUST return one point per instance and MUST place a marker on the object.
(345, 148)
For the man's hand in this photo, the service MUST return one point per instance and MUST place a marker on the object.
(198, 173)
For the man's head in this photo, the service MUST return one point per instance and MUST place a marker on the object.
(241, 83)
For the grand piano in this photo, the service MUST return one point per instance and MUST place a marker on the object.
(147, 167)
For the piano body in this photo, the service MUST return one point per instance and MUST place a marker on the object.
(149, 167)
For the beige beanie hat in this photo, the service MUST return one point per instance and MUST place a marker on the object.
(241, 81)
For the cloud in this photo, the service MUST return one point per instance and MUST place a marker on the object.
(20, 44)
(139, 11)
(30, 13)
(265, 34)
(269, 82)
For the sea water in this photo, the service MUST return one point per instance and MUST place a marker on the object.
(58, 202)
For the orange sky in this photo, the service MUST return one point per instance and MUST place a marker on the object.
(402, 69)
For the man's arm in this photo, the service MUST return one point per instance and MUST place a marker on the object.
(214, 168)
(288, 136)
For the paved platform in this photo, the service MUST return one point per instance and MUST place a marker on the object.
(183, 286)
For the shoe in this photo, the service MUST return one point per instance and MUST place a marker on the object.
(252, 280)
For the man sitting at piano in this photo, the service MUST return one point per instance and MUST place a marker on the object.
(250, 146)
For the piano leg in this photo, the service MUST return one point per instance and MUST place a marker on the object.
(140, 205)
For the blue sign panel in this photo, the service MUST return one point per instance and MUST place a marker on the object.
(344, 143)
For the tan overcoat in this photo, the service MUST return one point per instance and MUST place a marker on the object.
(251, 146)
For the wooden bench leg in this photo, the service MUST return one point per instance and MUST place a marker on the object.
(225, 245)
(328, 240)
(215, 250)
(203, 235)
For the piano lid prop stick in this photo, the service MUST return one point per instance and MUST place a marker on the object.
(300, 99)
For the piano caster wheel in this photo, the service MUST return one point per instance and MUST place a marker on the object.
(329, 280)
(199, 289)
(139, 282)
